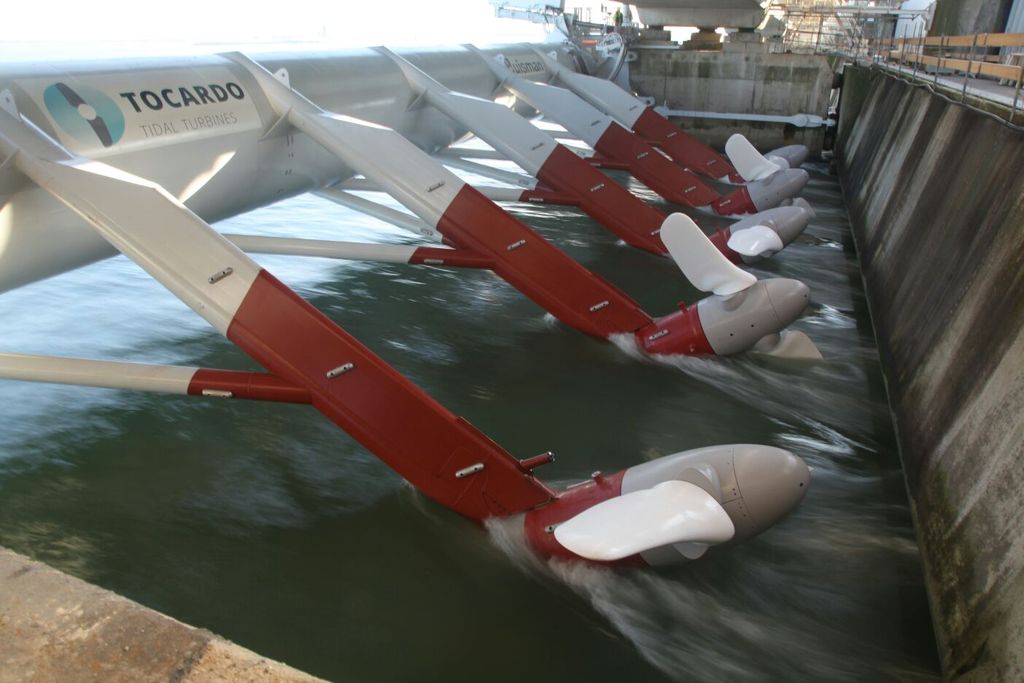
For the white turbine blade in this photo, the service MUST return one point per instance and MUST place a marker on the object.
(757, 240)
(691, 551)
(789, 344)
(805, 205)
(671, 512)
(702, 264)
(749, 163)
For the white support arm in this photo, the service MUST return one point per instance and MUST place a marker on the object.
(384, 213)
(405, 171)
(168, 379)
(141, 219)
(510, 177)
(352, 251)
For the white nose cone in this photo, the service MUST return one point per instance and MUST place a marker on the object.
(788, 297)
(736, 323)
(772, 482)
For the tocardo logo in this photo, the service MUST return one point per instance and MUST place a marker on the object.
(84, 113)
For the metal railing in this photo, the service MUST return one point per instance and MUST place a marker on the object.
(966, 55)
(837, 26)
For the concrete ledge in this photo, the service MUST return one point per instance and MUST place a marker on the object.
(54, 627)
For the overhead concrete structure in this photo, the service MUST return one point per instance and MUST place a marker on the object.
(704, 13)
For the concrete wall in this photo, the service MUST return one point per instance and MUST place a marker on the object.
(856, 83)
(936, 194)
(962, 17)
(54, 627)
(746, 81)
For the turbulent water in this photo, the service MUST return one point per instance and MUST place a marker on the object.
(268, 525)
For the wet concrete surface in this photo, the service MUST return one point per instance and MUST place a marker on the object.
(54, 627)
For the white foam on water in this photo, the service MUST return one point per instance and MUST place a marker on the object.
(744, 619)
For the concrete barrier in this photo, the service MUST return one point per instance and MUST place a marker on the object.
(747, 82)
(54, 627)
(936, 197)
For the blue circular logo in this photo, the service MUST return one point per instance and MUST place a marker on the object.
(85, 113)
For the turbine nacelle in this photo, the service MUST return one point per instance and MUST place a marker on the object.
(772, 190)
(794, 155)
(741, 313)
(671, 509)
(765, 233)
(737, 322)
(771, 179)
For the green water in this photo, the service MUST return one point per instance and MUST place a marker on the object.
(267, 525)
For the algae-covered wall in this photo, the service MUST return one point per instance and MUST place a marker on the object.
(962, 17)
(750, 81)
(936, 195)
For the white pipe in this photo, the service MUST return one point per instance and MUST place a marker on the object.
(384, 213)
(355, 251)
(497, 194)
(510, 177)
(500, 194)
(359, 184)
(798, 120)
(168, 379)
(465, 153)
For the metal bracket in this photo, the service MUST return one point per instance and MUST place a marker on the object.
(278, 128)
(468, 471)
(7, 103)
(340, 370)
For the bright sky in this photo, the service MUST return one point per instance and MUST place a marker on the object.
(130, 26)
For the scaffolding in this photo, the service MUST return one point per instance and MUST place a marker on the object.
(838, 26)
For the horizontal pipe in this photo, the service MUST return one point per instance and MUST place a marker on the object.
(166, 379)
(510, 177)
(498, 194)
(385, 213)
(466, 153)
(163, 379)
(355, 251)
(359, 184)
(798, 120)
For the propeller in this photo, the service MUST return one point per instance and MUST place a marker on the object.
(703, 265)
(671, 513)
(803, 204)
(757, 240)
(750, 163)
(770, 304)
(788, 344)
